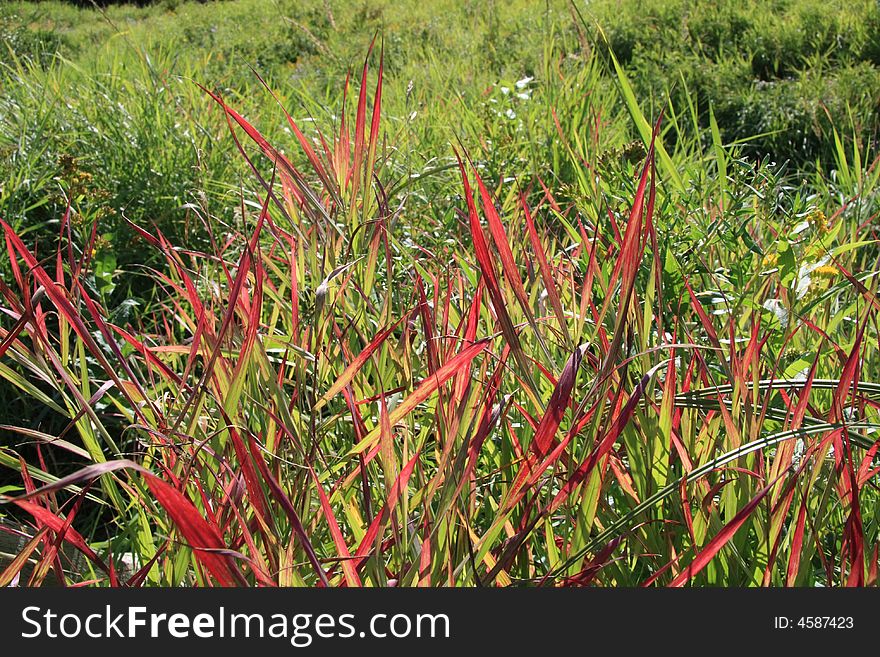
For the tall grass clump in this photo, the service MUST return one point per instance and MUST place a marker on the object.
(654, 364)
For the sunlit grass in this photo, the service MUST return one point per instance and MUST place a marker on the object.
(557, 340)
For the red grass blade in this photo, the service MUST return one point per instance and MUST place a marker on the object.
(14, 568)
(508, 264)
(559, 401)
(348, 569)
(424, 390)
(366, 545)
(484, 259)
(608, 440)
(712, 548)
(58, 525)
(546, 272)
(355, 366)
(86, 474)
(290, 511)
(200, 535)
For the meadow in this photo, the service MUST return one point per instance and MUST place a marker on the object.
(456, 293)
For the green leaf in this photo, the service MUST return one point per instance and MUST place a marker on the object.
(105, 268)
(787, 263)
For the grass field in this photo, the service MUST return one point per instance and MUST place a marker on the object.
(440, 294)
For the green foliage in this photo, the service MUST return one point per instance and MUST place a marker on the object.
(778, 74)
(291, 337)
(27, 45)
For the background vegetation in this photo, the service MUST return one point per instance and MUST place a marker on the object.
(245, 346)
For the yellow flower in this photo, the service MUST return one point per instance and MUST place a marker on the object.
(825, 271)
(818, 222)
(770, 260)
